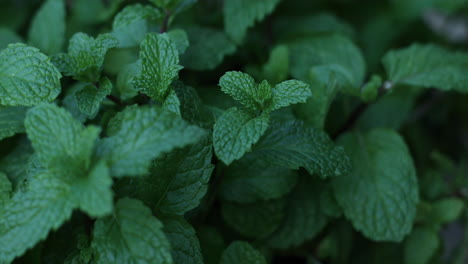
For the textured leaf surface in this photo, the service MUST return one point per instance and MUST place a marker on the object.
(177, 181)
(250, 179)
(235, 131)
(287, 93)
(239, 15)
(61, 142)
(428, 66)
(304, 217)
(90, 97)
(329, 55)
(15, 164)
(291, 144)
(143, 134)
(131, 235)
(242, 87)
(5, 189)
(185, 247)
(47, 31)
(160, 65)
(11, 120)
(29, 216)
(380, 194)
(203, 39)
(27, 77)
(241, 252)
(254, 220)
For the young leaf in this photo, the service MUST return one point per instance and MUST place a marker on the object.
(130, 235)
(90, 97)
(18, 86)
(12, 119)
(160, 65)
(254, 220)
(143, 134)
(276, 69)
(239, 15)
(235, 131)
(47, 31)
(185, 248)
(428, 66)
(241, 252)
(203, 39)
(29, 216)
(125, 80)
(287, 93)
(380, 194)
(250, 179)
(292, 145)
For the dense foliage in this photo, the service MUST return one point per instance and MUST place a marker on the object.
(235, 131)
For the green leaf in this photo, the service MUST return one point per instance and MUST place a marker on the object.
(242, 87)
(203, 39)
(276, 69)
(8, 36)
(47, 31)
(160, 66)
(62, 143)
(177, 181)
(185, 247)
(18, 86)
(235, 131)
(192, 108)
(29, 215)
(370, 90)
(239, 15)
(250, 179)
(446, 210)
(241, 252)
(254, 220)
(131, 24)
(428, 66)
(143, 134)
(5, 189)
(90, 97)
(420, 246)
(16, 163)
(11, 120)
(172, 103)
(85, 57)
(304, 216)
(180, 39)
(329, 55)
(130, 235)
(287, 93)
(380, 194)
(125, 80)
(292, 145)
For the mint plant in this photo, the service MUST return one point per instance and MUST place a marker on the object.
(230, 132)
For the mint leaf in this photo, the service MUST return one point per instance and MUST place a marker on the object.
(235, 131)
(241, 252)
(16, 164)
(47, 31)
(177, 180)
(85, 57)
(242, 87)
(329, 55)
(5, 189)
(185, 248)
(276, 69)
(180, 39)
(292, 145)
(304, 216)
(254, 220)
(18, 86)
(130, 235)
(380, 194)
(427, 66)
(12, 118)
(131, 24)
(144, 133)
(192, 108)
(287, 93)
(203, 39)
(250, 179)
(125, 80)
(160, 66)
(62, 143)
(446, 210)
(29, 215)
(420, 246)
(239, 15)
(90, 97)
(8, 36)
